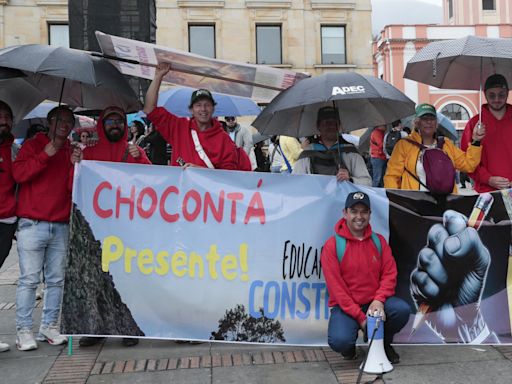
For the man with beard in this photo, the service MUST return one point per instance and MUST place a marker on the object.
(112, 142)
(360, 273)
(495, 169)
(7, 188)
(111, 146)
(199, 141)
(43, 170)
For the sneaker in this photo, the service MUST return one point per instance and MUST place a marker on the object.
(51, 334)
(4, 347)
(130, 341)
(350, 354)
(393, 357)
(25, 340)
(88, 341)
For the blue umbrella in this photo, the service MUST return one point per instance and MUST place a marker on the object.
(177, 100)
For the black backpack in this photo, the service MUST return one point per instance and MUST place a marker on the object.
(391, 140)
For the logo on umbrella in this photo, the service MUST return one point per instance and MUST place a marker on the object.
(348, 90)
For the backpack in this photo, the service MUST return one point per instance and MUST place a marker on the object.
(341, 244)
(327, 162)
(439, 169)
(391, 139)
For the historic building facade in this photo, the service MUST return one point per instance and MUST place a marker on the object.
(397, 44)
(315, 36)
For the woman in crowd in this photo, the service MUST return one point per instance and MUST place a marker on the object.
(405, 167)
(137, 132)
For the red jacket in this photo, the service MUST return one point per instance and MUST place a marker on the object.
(7, 183)
(377, 144)
(219, 148)
(362, 276)
(106, 150)
(44, 181)
(496, 147)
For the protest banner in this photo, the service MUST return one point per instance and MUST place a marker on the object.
(259, 82)
(201, 254)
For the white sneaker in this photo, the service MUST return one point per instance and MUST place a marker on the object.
(51, 334)
(25, 340)
(4, 347)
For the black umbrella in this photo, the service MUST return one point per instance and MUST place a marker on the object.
(361, 101)
(71, 76)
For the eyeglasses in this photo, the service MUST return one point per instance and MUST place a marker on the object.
(61, 120)
(113, 122)
(230, 118)
(497, 96)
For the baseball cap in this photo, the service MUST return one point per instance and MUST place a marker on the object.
(357, 198)
(201, 94)
(325, 113)
(113, 110)
(425, 109)
(496, 81)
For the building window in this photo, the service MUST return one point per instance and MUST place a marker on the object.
(201, 40)
(268, 44)
(455, 112)
(488, 5)
(58, 35)
(450, 9)
(333, 45)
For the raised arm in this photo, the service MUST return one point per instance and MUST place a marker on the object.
(152, 94)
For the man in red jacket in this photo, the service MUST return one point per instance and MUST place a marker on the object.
(43, 171)
(199, 141)
(495, 169)
(112, 142)
(360, 273)
(7, 189)
(112, 146)
(377, 156)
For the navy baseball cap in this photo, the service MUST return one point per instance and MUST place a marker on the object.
(357, 198)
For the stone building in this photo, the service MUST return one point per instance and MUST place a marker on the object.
(315, 36)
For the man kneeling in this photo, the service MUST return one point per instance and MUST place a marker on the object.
(360, 273)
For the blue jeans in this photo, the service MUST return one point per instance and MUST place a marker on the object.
(342, 331)
(42, 247)
(378, 171)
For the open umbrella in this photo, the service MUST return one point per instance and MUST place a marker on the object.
(361, 101)
(71, 76)
(177, 100)
(462, 63)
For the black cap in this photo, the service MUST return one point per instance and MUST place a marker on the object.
(327, 113)
(357, 198)
(201, 94)
(496, 81)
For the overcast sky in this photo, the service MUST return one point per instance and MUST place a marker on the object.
(386, 12)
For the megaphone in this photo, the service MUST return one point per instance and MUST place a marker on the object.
(376, 361)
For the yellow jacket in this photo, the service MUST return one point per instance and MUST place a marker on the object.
(291, 149)
(405, 155)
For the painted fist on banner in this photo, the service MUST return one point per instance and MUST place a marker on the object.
(450, 278)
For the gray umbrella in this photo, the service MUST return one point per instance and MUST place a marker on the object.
(462, 63)
(71, 76)
(361, 101)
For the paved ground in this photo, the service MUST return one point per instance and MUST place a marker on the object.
(160, 361)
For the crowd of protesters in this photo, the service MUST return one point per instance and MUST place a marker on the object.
(36, 181)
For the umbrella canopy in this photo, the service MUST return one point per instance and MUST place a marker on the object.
(362, 101)
(462, 63)
(71, 76)
(177, 100)
(21, 96)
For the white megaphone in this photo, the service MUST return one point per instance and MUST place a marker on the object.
(376, 361)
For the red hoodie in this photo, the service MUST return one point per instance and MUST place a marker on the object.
(106, 150)
(7, 183)
(362, 276)
(44, 181)
(219, 148)
(496, 147)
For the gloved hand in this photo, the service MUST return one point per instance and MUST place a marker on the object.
(450, 278)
